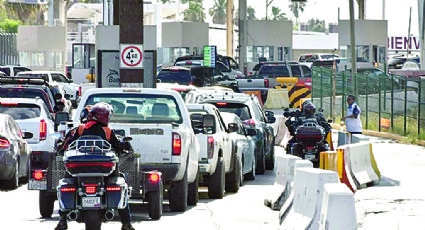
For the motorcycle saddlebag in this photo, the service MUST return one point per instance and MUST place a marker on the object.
(92, 164)
(117, 192)
(66, 192)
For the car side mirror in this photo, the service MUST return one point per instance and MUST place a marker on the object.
(269, 114)
(67, 96)
(271, 120)
(127, 139)
(59, 106)
(208, 122)
(60, 117)
(330, 121)
(251, 131)
(320, 110)
(286, 114)
(58, 96)
(232, 127)
(27, 135)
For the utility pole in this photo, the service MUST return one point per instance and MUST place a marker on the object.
(230, 28)
(128, 14)
(353, 46)
(421, 11)
(242, 36)
(361, 9)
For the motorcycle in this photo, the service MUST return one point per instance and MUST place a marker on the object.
(93, 192)
(309, 137)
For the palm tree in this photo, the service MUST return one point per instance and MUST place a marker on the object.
(296, 8)
(195, 12)
(250, 13)
(218, 11)
(277, 15)
(26, 13)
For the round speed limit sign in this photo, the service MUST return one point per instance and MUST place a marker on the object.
(131, 56)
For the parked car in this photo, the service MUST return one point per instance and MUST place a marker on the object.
(14, 152)
(13, 70)
(398, 62)
(249, 110)
(313, 57)
(242, 138)
(220, 67)
(196, 95)
(55, 78)
(217, 155)
(192, 75)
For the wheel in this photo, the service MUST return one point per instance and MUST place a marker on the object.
(155, 204)
(216, 181)
(178, 195)
(193, 196)
(24, 179)
(13, 182)
(261, 163)
(251, 175)
(270, 161)
(46, 202)
(92, 219)
(233, 179)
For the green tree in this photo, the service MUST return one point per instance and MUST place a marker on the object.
(2, 11)
(218, 11)
(10, 25)
(297, 8)
(186, 1)
(250, 13)
(277, 15)
(26, 13)
(195, 12)
(316, 25)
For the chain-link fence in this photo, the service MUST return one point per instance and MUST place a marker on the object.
(8, 49)
(389, 103)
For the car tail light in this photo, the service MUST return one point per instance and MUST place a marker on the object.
(154, 177)
(188, 63)
(68, 189)
(4, 143)
(8, 103)
(190, 83)
(113, 189)
(250, 74)
(266, 83)
(240, 76)
(251, 122)
(43, 130)
(91, 164)
(177, 144)
(38, 175)
(221, 103)
(210, 147)
(79, 91)
(90, 188)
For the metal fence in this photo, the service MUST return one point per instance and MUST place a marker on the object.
(8, 49)
(389, 103)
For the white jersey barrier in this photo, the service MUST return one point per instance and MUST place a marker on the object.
(279, 129)
(338, 208)
(362, 164)
(308, 195)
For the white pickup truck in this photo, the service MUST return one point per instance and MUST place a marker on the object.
(219, 166)
(159, 124)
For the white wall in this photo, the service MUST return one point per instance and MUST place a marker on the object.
(368, 32)
(184, 34)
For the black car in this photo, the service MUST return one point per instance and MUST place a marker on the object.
(14, 153)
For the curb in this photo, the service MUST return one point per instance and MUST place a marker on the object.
(381, 134)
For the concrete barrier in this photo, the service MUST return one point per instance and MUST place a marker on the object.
(307, 203)
(343, 138)
(338, 208)
(329, 160)
(359, 138)
(344, 171)
(277, 98)
(361, 161)
(279, 129)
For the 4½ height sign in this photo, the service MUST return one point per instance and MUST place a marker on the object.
(131, 56)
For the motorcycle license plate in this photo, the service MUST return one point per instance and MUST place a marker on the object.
(37, 185)
(91, 202)
(309, 156)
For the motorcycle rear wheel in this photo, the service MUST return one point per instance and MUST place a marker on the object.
(92, 219)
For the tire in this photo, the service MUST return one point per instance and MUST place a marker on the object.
(251, 175)
(216, 182)
(233, 179)
(270, 161)
(193, 195)
(46, 203)
(13, 182)
(178, 195)
(155, 204)
(92, 219)
(24, 179)
(261, 162)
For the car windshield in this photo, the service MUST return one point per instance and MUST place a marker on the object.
(328, 56)
(274, 70)
(241, 110)
(140, 108)
(20, 111)
(175, 76)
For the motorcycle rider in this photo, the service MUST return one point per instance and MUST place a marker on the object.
(97, 124)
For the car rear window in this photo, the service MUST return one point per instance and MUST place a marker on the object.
(5, 70)
(274, 70)
(241, 110)
(20, 111)
(35, 75)
(21, 93)
(175, 76)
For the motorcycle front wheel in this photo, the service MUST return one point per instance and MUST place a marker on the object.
(92, 219)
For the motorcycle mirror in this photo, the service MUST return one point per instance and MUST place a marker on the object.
(127, 139)
(321, 110)
(330, 121)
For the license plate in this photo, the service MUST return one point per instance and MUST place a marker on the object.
(309, 156)
(37, 185)
(91, 202)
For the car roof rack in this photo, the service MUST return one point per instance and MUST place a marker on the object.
(23, 80)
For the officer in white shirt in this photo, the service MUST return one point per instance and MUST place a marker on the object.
(352, 120)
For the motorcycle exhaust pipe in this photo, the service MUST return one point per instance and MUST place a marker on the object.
(73, 215)
(109, 215)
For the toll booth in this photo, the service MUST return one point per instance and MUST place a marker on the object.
(108, 52)
(42, 47)
(271, 40)
(183, 38)
(371, 42)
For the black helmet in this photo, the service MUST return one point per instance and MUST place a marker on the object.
(101, 112)
(309, 108)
